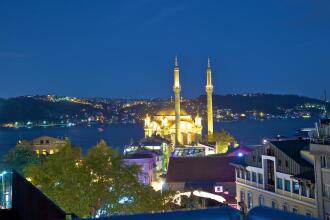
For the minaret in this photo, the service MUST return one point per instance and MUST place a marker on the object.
(177, 90)
(209, 91)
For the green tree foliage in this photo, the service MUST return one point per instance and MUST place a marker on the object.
(19, 157)
(222, 140)
(97, 184)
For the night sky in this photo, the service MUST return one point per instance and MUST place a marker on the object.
(126, 49)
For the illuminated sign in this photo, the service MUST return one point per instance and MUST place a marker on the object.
(218, 189)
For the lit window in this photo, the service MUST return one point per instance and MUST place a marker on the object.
(242, 196)
(51, 151)
(287, 185)
(44, 152)
(249, 202)
(37, 151)
(295, 187)
(279, 182)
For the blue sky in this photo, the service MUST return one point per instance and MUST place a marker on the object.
(126, 49)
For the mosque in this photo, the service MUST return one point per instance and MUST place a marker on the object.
(175, 123)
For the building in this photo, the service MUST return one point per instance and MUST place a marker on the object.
(45, 145)
(212, 175)
(320, 148)
(175, 123)
(20, 200)
(147, 163)
(278, 174)
(159, 147)
(198, 150)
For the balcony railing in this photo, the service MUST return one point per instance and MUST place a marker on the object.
(323, 141)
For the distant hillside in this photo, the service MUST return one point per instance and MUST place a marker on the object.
(269, 103)
(26, 108)
(23, 109)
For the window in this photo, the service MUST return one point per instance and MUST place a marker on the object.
(279, 162)
(285, 208)
(260, 178)
(41, 141)
(287, 185)
(270, 152)
(259, 159)
(325, 161)
(303, 189)
(308, 213)
(279, 182)
(274, 204)
(327, 216)
(261, 200)
(286, 163)
(254, 158)
(44, 151)
(37, 151)
(295, 187)
(295, 210)
(238, 173)
(47, 141)
(242, 196)
(248, 175)
(254, 177)
(51, 151)
(250, 202)
(326, 190)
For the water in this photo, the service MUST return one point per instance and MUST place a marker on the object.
(249, 132)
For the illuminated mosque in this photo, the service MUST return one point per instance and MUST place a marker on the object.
(175, 123)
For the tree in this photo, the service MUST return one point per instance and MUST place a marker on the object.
(19, 158)
(98, 184)
(222, 140)
(62, 177)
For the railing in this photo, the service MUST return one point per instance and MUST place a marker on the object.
(323, 141)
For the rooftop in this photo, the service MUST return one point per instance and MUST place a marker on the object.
(292, 149)
(200, 169)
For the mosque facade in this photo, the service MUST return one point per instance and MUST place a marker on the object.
(175, 123)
